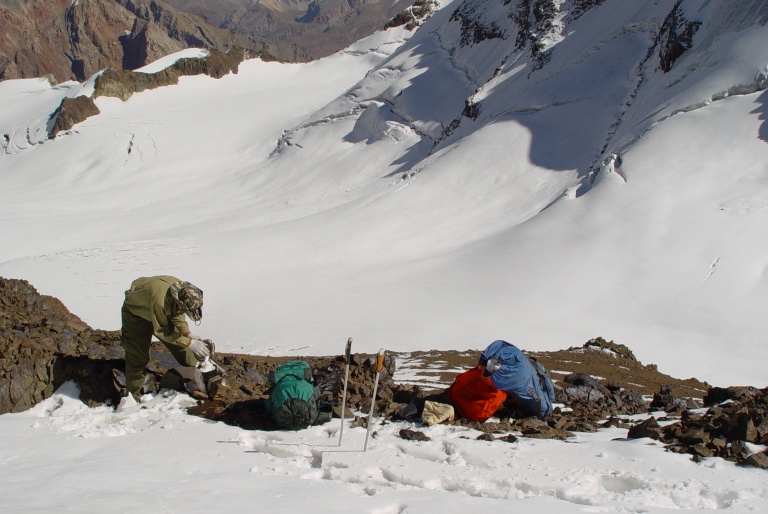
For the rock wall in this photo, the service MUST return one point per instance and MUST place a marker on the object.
(675, 37)
(42, 345)
(71, 111)
(73, 40)
(122, 84)
(298, 30)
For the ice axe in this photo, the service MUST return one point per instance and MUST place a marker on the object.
(379, 367)
(347, 358)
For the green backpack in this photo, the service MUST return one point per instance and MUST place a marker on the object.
(293, 398)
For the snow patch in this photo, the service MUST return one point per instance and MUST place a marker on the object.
(170, 60)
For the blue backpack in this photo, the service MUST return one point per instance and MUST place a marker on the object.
(523, 379)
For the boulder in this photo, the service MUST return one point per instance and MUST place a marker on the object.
(413, 435)
(666, 401)
(594, 401)
(648, 428)
(757, 460)
(70, 112)
(717, 395)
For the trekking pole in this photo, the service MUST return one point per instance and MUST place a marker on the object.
(347, 357)
(379, 366)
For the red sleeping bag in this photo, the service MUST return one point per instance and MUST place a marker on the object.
(474, 395)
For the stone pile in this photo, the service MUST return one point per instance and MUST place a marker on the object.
(736, 417)
(592, 400)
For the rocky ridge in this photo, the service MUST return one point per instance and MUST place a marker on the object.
(74, 40)
(43, 345)
(124, 83)
(66, 40)
(298, 30)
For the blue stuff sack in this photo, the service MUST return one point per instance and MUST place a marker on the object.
(523, 379)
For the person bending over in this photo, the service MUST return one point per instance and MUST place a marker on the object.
(157, 306)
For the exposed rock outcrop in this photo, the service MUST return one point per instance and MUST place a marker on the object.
(71, 111)
(74, 40)
(736, 416)
(123, 84)
(475, 28)
(298, 30)
(533, 23)
(675, 37)
(44, 345)
(413, 16)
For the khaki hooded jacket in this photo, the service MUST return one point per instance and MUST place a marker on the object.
(148, 299)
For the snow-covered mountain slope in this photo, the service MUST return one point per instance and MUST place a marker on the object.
(541, 172)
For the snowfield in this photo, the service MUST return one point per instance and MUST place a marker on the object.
(160, 458)
(589, 194)
(315, 201)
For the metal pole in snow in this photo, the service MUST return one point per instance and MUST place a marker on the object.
(347, 357)
(379, 366)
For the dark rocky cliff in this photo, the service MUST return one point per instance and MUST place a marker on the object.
(298, 30)
(73, 40)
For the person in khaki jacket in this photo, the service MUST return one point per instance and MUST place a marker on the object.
(157, 306)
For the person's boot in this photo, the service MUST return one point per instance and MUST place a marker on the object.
(150, 384)
(118, 382)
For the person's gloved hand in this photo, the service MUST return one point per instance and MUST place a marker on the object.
(200, 349)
